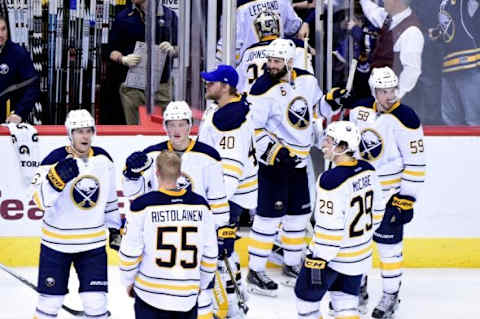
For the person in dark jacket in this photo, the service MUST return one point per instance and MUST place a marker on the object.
(19, 82)
(128, 28)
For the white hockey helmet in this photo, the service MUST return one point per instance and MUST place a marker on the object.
(344, 131)
(177, 110)
(79, 119)
(382, 78)
(282, 49)
(267, 23)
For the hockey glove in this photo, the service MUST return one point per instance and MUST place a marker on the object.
(399, 209)
(285, 159)
(131, 60)
(336, 98)
(315, 266)
(405, 204)
(136, 164)
(115, 238)
(226, 240)
(63, 172)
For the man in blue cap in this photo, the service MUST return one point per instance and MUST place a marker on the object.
(227, 127)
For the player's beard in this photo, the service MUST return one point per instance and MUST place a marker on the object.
(278, 75)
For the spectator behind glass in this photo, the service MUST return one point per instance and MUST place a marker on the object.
(16, 69)
(458, 30)
(248, 10)
(128, 28)
(400, 42)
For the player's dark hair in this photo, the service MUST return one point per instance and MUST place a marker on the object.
(344, 145)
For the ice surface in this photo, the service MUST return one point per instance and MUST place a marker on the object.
(426, 293)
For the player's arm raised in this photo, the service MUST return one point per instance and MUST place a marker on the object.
(136, 173)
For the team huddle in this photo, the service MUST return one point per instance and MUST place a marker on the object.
(176, 247)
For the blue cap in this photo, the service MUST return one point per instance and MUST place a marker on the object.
(224, 73)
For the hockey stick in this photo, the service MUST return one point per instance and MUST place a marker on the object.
(76, 313)
(18, 86)
(241, 301)
(351, 76)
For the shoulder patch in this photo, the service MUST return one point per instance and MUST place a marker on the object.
(156, 148)
(366, 165)
(242, 2)
(231, 116)
(206, 149)
(406, 116)
(195, 199)
(263, 84)
(298, 43)
(259, 44)
(142, 201)
(302, 72)
(100, 151)
(368, 103)
(333, 178)
(55, 156)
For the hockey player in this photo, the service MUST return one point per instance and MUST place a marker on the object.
(228, 128)
(76, 188)
(16, 70)
(169, 252)
(201, 172)
(248, 10)
(392, 141)
(282, 106)
(254, 60)
(349, 194)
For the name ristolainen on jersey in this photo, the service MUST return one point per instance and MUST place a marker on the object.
(174, 215)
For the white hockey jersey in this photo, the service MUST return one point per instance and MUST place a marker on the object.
(230, 131)
(201, 172)
(248, 11)
(282, 114)
(169, 251)
(392, 142)
(76, 218)
(253, 62)
(349, 207)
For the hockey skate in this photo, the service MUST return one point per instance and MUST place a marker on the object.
(386, 307)
(363, 298)
(291, 272)
(259, 283)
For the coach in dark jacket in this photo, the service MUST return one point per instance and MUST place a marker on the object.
(19, 82)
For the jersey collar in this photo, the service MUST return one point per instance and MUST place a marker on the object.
(72, 151)
(349, 163)
(189, 147)
(394, 106)
(293, 75)
(236, 98)
(172, 192)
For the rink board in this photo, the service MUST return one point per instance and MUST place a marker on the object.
(443, 233)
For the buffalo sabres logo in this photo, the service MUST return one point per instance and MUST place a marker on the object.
(185, 182)
(371, 145)
(297, 113)
(447, 25)
(4, 69)
(86, 191)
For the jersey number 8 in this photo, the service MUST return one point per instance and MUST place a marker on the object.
(184, 231)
